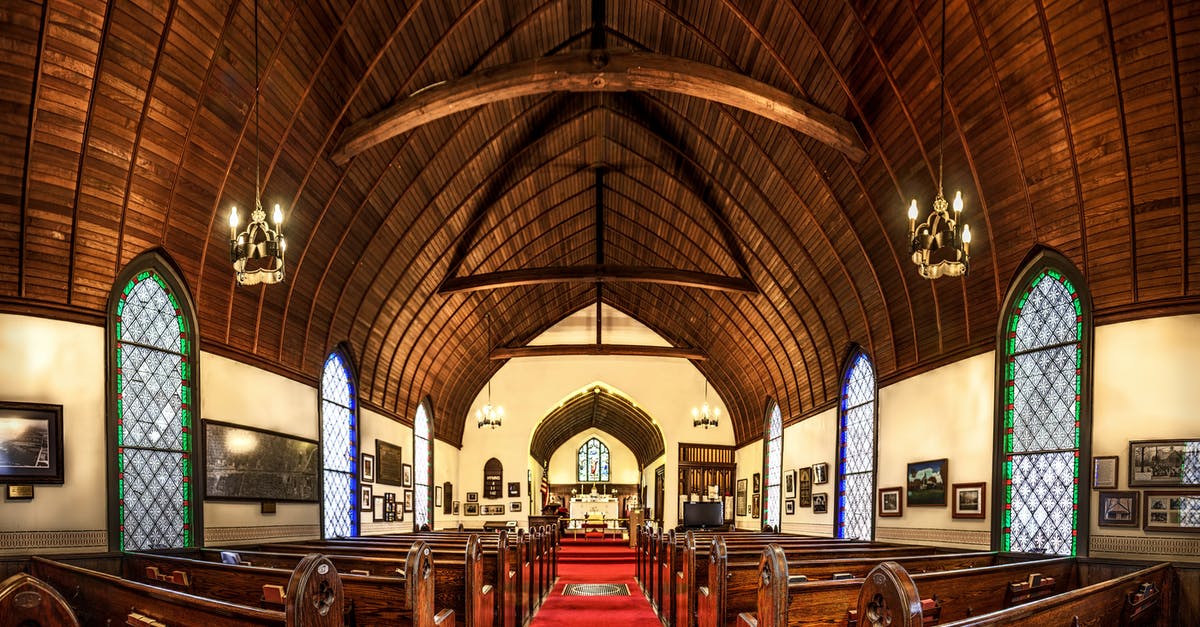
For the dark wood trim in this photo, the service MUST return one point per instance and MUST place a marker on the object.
(600, 71)
(597, 274)
(630, 350)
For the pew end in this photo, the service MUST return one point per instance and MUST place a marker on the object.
(26, 600)
(314, 593)
(889, 591)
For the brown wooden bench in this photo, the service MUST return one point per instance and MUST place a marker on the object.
(26, 600)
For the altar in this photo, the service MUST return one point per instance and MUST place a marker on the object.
(607, 506)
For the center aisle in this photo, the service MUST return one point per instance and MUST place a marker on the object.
(595, 563)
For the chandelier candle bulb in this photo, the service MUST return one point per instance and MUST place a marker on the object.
(278, 215)
(233, 222)
(958, 203)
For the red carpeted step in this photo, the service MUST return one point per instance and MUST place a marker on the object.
(580, 562)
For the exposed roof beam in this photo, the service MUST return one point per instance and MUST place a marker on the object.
(597, 274)
(631, 350)
(600, 71)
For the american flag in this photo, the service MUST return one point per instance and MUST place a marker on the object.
(545, 487)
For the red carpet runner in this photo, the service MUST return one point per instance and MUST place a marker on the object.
(595, 562)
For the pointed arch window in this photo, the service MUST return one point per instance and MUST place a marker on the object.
(1043, 392)
(422, 467)
(593, 461)
(772, 465)
(151, 375)
(855, 503)
(339, 449)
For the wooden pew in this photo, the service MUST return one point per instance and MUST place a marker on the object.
(313, 597)
(28, 601)
(957, 593)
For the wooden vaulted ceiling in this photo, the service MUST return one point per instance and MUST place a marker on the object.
(604, 410)
(127, 126)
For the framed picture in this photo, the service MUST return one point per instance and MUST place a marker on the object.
(1118, 509)
(1161, 463)
(437, 496)
(804, 486)
(789, 506)
(389, 497)
(1104, 472)
(754, 505)
(368, 468)
(927, 483)
(820, 502)
(456, 508)
(757, 487)
(741, 497)
(472, 497)
(1175, 510)
(891, 502)
(471, 509)
(493, 510)
(514, 488)
(247, 464)
(366, 498)
(514, 506)
(406, 475)
(820, 473)
(789, 483)
(388, 463)
(969, 500)
(31, 443)
(378, 507)
(408, 500)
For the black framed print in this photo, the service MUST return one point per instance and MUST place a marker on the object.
(388, 463)
(366, 499)
(31, 443)
(1118, 509)
(250, 464)
(368, 468)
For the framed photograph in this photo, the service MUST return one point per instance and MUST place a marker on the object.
(378, 509)
(514, 506)
(456, 508)
(472, 497)
(757, 487)
(969, 500)
(368, 468)
(789, 483)
(741, 497)
(406, 475)
(804, 486)
(927, 483)
(1104, 472)
(31, 443)
(1118, 509)
(248, 464)
(388, 463)
(754, 501)
(471, 509)
(493, 510)
(789, 506)
(891, 502)
(366, 498)
(408, 500)
(820, 502)
(1175, 510)
(437, 496)
(1162, 463)
(389, 497)
(820, 473)
(514, 488)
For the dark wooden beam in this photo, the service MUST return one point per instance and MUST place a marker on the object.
(626, 350)
(597, 274)
(608, 71)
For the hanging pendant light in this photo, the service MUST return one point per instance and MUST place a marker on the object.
(705, 416)
(489, 415)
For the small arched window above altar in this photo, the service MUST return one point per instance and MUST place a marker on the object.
(593, 461)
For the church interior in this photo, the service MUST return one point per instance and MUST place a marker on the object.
(602, 273)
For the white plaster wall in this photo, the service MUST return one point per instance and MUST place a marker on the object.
(806, 443)
(622, 464)
(373, 427)
(445, 468)
(749, 460)
(61, 363)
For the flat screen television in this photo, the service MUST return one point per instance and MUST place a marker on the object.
(709, 514)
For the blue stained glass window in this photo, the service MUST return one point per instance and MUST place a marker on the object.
(153, 377)
(422, 468)
(339, 450)
(856, 451)
(1043, 352)
(773, 467)
(593, 461)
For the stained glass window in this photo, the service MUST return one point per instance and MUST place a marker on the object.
(339, 450)
(153, 377)
(856, 452)
(422, 468)
(1043, 350)
(772, 466)
(593, 461)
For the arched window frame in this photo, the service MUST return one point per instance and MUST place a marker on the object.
(148, 266)
(772, 473)
(1036, 265)
(856, 358)
(423, 470)
(583, 456)
(343, 464)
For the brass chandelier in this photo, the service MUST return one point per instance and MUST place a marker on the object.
(490, 416)
(705, 416)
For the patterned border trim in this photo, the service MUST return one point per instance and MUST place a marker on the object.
(220, 535)
(67, 539)
(935, 536)
(377, 528)
(1145, 545)
(809, 529)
